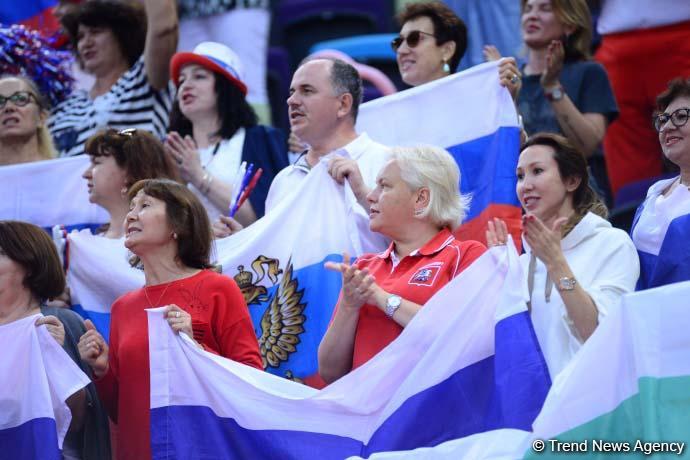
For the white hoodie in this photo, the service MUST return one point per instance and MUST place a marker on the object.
(605, 264)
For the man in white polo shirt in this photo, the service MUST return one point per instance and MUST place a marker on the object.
(324, 100)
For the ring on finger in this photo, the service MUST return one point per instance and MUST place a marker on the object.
(514, 79)
(177, 314)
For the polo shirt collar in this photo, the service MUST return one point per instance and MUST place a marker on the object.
(442, 239)
(357, 147)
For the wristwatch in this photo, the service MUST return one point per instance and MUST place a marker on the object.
(392, 304)
(555, 94)
(566, 283)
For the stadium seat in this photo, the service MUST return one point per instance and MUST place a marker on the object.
(302, 23)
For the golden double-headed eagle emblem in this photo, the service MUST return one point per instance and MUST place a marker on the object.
(283, 321)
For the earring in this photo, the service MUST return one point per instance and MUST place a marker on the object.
(446, 67)
(174, 235)
(418, 212)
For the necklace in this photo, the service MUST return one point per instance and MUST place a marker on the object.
(159, 298)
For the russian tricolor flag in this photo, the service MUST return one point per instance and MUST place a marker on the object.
(667, 260)
(474, 118)
(278, 260)
(469, 362)
(36, 378)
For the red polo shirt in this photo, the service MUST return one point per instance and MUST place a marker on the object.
(416, 278)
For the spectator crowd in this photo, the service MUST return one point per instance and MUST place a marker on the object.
(171, 106)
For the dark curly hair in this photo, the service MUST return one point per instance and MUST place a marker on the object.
(678, 87)
(125, 18)
(233, 110)
(447, 26)
(138, 152)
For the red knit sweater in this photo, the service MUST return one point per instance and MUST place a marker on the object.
(221, 324)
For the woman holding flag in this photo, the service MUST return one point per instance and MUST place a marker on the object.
(660, 229)
(168, 230)
(214, 131)
(577, 265)
(30, 275)
(417, 204)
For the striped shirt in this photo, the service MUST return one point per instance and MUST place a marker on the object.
(131, 103)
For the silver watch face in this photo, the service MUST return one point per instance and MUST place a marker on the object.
(557, 94)
(393, 301)
(566, 284)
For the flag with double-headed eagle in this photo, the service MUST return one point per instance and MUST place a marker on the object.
(278, 261)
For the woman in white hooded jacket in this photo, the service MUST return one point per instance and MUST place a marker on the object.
(577, 265)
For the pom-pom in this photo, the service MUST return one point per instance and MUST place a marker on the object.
(25, 52)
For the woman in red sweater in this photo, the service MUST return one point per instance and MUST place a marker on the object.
(168, 230)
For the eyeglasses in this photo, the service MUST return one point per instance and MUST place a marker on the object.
(20, 99)
(678, 117)
(412, 39)
(129, 132)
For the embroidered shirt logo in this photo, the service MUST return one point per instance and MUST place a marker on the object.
(426, 275)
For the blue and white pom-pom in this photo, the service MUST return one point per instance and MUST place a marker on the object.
(25, 52)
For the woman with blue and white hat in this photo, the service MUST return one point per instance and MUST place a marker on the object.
(213, 130)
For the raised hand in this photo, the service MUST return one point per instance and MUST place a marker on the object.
(545, 242)
(93, 350)
(186, 155)
(555, 56)
(359, 287)
(496, 233)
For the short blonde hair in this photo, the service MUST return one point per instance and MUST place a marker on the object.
(434, 168)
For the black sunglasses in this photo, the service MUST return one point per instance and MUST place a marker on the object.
(20, 99)
(412, 39)
(678, 117)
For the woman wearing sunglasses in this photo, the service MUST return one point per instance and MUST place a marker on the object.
(118, 160)
(24, 136)
(661, 228)
(431, 43)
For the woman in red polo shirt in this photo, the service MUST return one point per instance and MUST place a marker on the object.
(417, 204)
(168, 230)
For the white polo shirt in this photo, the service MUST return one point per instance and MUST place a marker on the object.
(370, 156)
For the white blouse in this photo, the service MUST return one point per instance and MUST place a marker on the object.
(604, 262)
(223, 166)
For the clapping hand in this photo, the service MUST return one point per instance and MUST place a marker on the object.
(496, 233)
(186, 155)
(555, 55)
(359, 287)
(545, 242)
